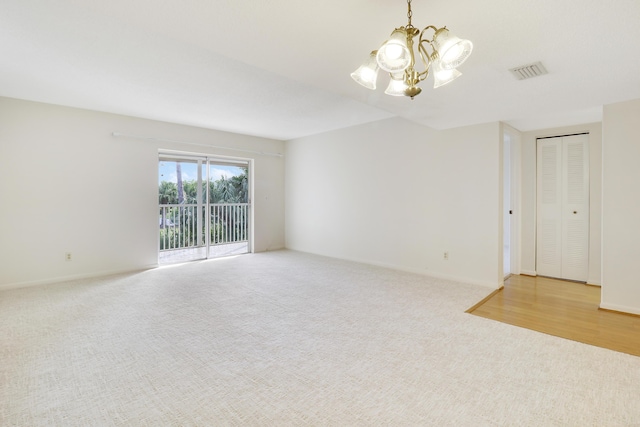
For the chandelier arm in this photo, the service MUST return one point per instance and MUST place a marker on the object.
(423, 75)
(427, 63)
(424, 55)
(424, 31)
(411, 33)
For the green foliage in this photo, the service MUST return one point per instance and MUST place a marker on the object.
(178, 227)
(230, 190)
(168, 193)
(178, 224)
(223, 190)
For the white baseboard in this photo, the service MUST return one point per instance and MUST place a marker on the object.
(425, 272)
(52, 280)
(454, 278)
(433, 274)
(620, 308)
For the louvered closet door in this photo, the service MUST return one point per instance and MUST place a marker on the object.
(575, 209)
(549, 242)
(563, 207)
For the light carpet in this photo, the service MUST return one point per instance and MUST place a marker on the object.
(291, 339)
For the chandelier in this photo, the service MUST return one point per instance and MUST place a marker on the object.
(441, 54)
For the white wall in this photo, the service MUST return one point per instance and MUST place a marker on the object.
(528, 196)
(397, 194)
(621, 207)
(67, 185)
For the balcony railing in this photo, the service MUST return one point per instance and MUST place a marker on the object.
(185, 226)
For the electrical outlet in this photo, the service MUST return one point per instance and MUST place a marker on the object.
(67, 256)
(446, 255)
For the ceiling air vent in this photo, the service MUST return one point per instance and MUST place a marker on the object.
(529, 71)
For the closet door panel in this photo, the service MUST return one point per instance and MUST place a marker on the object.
(549, 223)
(575, 211)
(563, 207)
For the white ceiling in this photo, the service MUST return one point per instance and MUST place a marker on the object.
(280, 68)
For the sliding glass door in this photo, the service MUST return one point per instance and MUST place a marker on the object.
(228, 209)
(204, 209)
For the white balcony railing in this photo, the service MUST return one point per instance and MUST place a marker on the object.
(184, 226)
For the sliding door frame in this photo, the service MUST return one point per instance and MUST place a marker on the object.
(204, 203)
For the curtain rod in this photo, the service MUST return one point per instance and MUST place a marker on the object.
(148, 138)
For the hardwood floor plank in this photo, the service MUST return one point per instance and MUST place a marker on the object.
(564, 309)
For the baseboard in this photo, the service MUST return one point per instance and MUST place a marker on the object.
(52, 280)
(528, 273)
(454, 278)
(429, 273)
(620, 308)
(485, 299)
(433, 274)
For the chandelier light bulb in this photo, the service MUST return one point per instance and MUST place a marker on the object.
(452, 53)
(397, 85)
(452, 50)
(367, 73)
(394, 55)
(442, 76)
(393, 51)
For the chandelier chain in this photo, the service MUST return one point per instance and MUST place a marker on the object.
(409, 13)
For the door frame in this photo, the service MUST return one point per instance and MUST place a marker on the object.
(513, 156)
(589, 135)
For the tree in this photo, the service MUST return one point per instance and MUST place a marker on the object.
(226, 190)
(230, 190)
(180, 187)
(168, 193)
(190, 189)
(240, 184)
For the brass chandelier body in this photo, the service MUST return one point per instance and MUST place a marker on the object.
(442, 54)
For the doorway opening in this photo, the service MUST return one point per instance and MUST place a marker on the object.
(204, 207)
(511, 154)
(508, 211)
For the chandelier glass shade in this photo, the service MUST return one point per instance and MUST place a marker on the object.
(367, 73)
(442, 54)
(397, 86)
(394, 55)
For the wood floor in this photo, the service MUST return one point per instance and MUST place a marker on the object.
(564, 309)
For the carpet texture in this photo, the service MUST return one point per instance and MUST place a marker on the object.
(291, 339)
